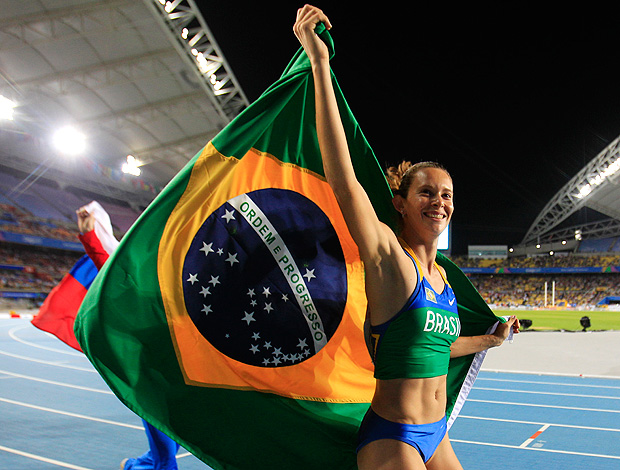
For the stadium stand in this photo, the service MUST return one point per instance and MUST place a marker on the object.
(579, 280)
(30, 269)
(38, 246)
(38, 235)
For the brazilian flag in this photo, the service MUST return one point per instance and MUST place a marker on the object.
(231, 315)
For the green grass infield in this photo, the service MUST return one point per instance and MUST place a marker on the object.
(554, 320)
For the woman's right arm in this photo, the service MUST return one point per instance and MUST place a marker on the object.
(374, 239)
(385, 264)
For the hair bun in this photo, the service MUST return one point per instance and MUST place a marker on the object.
(394, 174)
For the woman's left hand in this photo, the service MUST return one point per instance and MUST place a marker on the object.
(503, 329)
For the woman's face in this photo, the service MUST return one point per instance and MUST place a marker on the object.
(428, 207)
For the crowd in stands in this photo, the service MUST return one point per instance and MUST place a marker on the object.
(543, 261)
(522, 290)
(26, 268)
(30, 269)
(15, 220)
(527, 290)
(33, 269)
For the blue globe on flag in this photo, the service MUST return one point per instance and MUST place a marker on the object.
(291, 297)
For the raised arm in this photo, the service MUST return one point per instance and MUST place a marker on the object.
(371, 236)
(92, 245)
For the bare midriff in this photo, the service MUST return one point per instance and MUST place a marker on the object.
(411, 401)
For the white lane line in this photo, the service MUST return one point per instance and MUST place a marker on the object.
(52, 382)
(542, 406)
(572, 426)
(12, 335)
(537, 449)
(561, 384)
(533, 437)
(554, 374)
(67, 413)
(42, 459)
(64, 464)
(533, 392)
(50, 363)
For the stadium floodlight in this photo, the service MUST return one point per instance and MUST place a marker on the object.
(69, 140)
(132, 166)
(6, 108)
(598, 179)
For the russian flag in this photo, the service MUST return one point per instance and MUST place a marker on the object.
(57, 314)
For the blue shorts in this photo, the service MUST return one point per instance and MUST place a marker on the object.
(424, 437)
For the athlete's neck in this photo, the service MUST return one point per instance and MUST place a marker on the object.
(425, 251)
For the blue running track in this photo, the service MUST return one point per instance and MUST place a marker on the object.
(56, 412)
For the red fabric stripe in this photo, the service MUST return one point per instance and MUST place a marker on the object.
(57, 314)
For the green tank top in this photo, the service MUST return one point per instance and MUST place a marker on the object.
(416, 342)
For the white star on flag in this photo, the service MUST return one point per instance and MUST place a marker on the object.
(228, 216)
(309, 274)
(193, 278)
(206, 309)
(207, 248)
(249, 317)
(232, 259)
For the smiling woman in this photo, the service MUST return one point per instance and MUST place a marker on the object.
(431, 199)
(413, 317)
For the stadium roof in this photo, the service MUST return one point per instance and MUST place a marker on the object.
(143, 78)
(595, 186)
(146, 78)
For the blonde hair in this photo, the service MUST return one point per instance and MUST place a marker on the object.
(400, 177)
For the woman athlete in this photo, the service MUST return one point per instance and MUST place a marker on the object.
(412, 310)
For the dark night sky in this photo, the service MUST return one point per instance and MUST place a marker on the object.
(513, 103)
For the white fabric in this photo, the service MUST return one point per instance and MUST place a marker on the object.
(103, 226)
(468, 383)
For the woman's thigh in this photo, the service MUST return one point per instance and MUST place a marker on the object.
(389, 454)
(444, 457)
